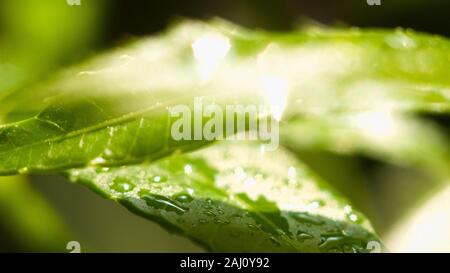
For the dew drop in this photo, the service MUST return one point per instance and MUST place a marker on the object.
(210, 213)
(307, 218)
(209, 204)
(158, 179)
(350, 215)
(183, 197)
(353, 217)
(274, 241)
(161, 202)
(253, 227)
(312, 206)
(347, 209)
(330, 242)
(187, 169)
(340, 240)
(98, 161)
(122, 184)
(221, 222)
(108, 153)
(401, 40)
(303, 236)
(101, 170)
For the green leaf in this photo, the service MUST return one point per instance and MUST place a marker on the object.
(27, 30)
(384, 135)
(413, 233)
(56, 140)
(113, 109)
(235, 198)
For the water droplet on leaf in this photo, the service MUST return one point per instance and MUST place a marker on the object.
(158, 179)
(122, 184)
(307, 218)
(183, 197)
(161, 202)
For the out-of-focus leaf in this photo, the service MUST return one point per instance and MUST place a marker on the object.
(36, 37)
(385, 135)
(426, 228)
(235, 198)
(29, 219)
(110, 110)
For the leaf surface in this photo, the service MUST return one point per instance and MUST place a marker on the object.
(113, 110)
(233, 198)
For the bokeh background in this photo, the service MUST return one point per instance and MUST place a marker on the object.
(39, 36)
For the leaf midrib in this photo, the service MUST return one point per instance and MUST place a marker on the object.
(107, 123)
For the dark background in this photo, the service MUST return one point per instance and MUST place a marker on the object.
(144, 17)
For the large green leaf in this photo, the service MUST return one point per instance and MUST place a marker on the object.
(113, 110)
(233, 197)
